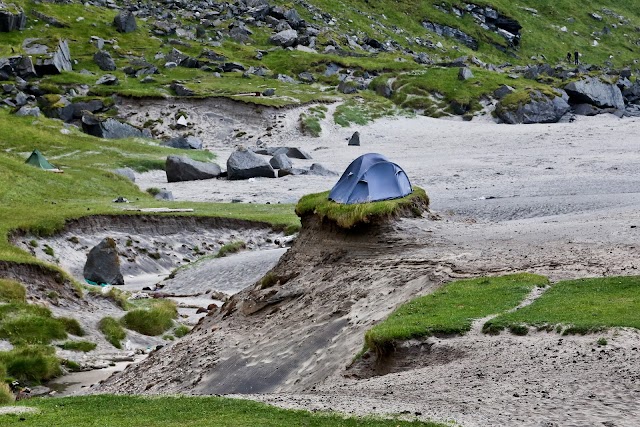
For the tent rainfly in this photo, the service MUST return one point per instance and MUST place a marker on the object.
(371, 177)
(38, 160)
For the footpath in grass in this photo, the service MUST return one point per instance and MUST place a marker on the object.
(578, 306)
(452, 308)
(138, 411)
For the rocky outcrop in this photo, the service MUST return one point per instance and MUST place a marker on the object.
(57, 62)
(245, 164)
(103, 264)
(446, 31)
(594, 91)
(536, 108)
(12, 20)
(110, 128)
(184, 169)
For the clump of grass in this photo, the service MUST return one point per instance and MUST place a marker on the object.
(580, 307)
(348, 216)
(6, 397)
(72, 326)
(451, 309)
(119, 297)
(231, 248)
(154, 191)
(33, 243)
(84, 346)
(48, 250)
(31, 363)
(153, 321)
(112, 331)
(24, 327)
(310, 125)
(602, 341)
(362, 111)
(268, 280)
(12, 291)
(181, 330)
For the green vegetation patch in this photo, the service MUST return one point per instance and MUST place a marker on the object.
(12, 291)
(579, 307)
(348, 216)
(112, 331)
(139, 411)
(231, 248)
(31, 363)
(452, 308)
(152, 321)
(22, 323)
(84, 346)
(362, 110)
(181, 330)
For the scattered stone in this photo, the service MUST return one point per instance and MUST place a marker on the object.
(318, 169)
(58, 62)
(465, 74)
(103, 59)
(103, 264)
(280, 161)
(108, 80)
(28, 111)
(284, 38)
(127, 173)
(164, 195)
(347, 87)
(125, 22)
(185, 142)
(184, 169)
(503, 91)
(355, 139)
(182, 90)
(244, 164)
(269, 92)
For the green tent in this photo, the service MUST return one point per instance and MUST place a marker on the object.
(37, 159)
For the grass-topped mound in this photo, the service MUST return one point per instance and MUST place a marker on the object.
(137, 411)
(349, 216)
(452, 309)
(578, 307)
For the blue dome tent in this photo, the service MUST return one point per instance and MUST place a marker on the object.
(371, 177)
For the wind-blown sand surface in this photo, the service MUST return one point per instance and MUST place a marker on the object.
(560, 200)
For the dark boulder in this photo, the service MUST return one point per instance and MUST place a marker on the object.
(318, 169)
(109, 128)
(103, 264)
(355, 139)
(104, 61)
(538, 108)
(58, 62)
(184, 142)
(108, 80)
(244, 164)
(125, 22)
(24, 68)
(594, 91)
(12, 20)
(184, 169)
(280, 161)
(503, 91)
(586, 110)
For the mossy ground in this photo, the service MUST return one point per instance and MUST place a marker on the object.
(348, 216)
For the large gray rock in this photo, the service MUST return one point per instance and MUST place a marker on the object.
(280, 161)
(184, 169)
(125, 22)
(594, 91)
(108, 80)
(465, 73)
(109, 128)
(244, 164)
(103, 264)
(58, 62)
(103, 59)
(538, 108)
(284, 38)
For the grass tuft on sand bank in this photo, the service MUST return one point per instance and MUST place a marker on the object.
(139, 411)
(348, 216)
(452, 309)
(577, 307)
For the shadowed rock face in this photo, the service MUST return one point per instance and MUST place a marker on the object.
(595, 92)
(539, 109)
(103, 264)
(185, 169)
(244, 164)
